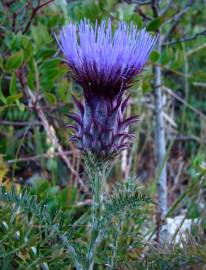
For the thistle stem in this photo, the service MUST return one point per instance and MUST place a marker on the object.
(96, 171)
(96, 216)
(115, 243)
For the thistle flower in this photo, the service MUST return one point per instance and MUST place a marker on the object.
(104, 64)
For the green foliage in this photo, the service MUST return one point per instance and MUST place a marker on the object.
(154, 56)
(27, 230)
(185, 255)
(154, 24)
(30, 226)
(125, 198)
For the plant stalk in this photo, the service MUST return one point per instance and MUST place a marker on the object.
(97, 180)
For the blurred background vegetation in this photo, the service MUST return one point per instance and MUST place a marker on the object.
(35, 98)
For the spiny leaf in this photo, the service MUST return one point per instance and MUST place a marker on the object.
(126, 197)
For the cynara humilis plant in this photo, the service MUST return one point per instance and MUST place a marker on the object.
(104, 63)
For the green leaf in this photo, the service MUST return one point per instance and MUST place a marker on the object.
(17, 5)
(51, 164)
(89, 9)
(166, 56)
(40, 35)
(107, 5)
(2, 97)
(137, 20)
(178, 59)
(63, 90)
(15, 61)
(50, 98)
(49, 65)
(31, 77)
(154, 56)
(45, 53)
(126, 11)
(13, 98)
(67, 196)
(12, 85)
(51, 70)
(28, 50)
(39, 144)
(52, 190)
(146, 86)
(22, 107)
(154, 25)
(21, 42)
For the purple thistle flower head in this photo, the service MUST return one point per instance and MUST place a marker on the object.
(104, 64)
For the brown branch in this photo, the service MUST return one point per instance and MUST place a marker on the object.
(20, 124)
(45, 4)
(33, 14)
(30, 21)
(186, 39)
(154, 6)
(142, 14)
(14, 15)
(34, 158)
(139, 3)
(8, 4)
